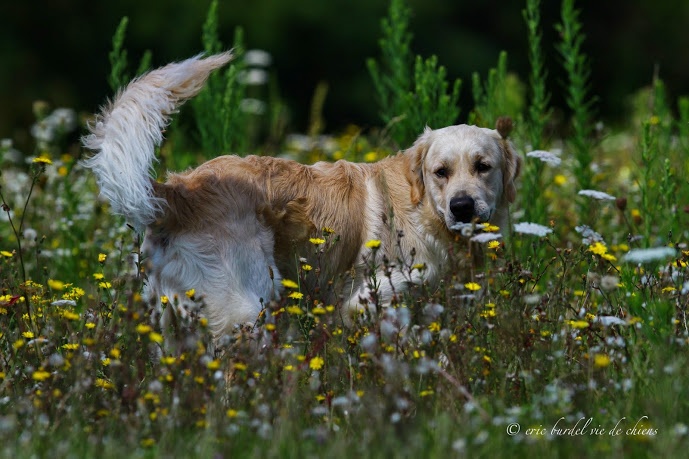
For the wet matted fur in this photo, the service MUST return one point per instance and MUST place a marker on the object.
(234, 227)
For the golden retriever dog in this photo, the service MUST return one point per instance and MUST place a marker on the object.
(235, 227)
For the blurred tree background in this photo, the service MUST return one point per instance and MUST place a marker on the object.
(57, 50)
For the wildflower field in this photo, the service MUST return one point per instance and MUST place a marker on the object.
(571, 339)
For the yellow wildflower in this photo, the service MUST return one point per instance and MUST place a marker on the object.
(56, 284)
(164, 300)
(104, 284)
(491, 228)
(42, 160)
(560, 180)
(289, 283)
(316, 240)
(598, 248)
(90, 325)
(296, 310)
(190, 293)
(69, 315)
(316, 363)
(74, 294)
(601, 360)
(578, 324)
(148, 442)
(104, 383)
(142, 329)
(167, 360)
(318, 310)
(493, 244)
(213, 365)
(371, 157)
(6, 254)
(373, 244)
(473, 286)
(102, 257)
(28, 334)
(40, 375)
(155, 337)
(296, 295)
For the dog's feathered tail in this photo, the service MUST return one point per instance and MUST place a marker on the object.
(125, 134)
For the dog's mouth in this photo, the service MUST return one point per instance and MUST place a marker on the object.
(462, 219)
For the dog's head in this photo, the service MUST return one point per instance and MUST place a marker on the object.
(465, 172)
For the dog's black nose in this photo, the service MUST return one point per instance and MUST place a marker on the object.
(462, 208)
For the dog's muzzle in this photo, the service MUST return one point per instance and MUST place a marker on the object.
(462, 208)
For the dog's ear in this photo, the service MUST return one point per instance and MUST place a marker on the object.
(416, 155)
(512, 163)
(512, 168)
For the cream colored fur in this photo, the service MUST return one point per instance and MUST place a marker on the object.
(234, 227)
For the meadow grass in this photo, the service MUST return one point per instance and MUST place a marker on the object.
(570, 339)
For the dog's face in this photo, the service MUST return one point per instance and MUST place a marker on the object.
(466, 172)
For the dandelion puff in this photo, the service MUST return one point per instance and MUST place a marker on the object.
(545, 156)
(532, 228)
(486, 237)
(595, 194)
(648, 255)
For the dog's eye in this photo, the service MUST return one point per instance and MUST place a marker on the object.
(441, 173)
(482, 167)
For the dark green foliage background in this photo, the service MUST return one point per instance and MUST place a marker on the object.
(57, 50)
